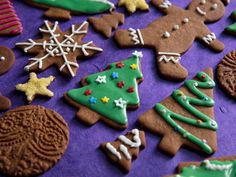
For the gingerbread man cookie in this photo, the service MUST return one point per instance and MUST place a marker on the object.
(172, 35)
(5, 103)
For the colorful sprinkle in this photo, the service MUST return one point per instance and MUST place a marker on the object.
(120, 65)
(92, 100)
(87, 92)
(133, 66)
(114, 75)
(121, 84)
(130, 89)
(105, 99)
(120, 103)
(101, 79)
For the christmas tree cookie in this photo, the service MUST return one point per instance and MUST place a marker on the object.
(214, 167)
(125, 148)
(232, 28)
(106, 95)
(186, 118)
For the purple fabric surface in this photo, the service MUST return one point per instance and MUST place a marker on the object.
(83, 158)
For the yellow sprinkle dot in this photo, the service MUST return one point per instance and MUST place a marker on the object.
(105, 99)
(133, 66)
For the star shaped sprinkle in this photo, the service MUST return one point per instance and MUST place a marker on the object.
(36, 86)
(114, 75)
(120, 65)
(105, 99)
(130, 90)
(120, 103)
(101, 79)
(121, 84)
(92, 100)
(133, 66)
(133, 5)
(138, 54)
(87, 92)
(59, 48)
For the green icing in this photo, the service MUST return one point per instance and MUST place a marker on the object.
(187, 102)
(210, 169)
(84, 6)
(111, 90)
(232, 28)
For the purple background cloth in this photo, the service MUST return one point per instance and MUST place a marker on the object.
(83, 158)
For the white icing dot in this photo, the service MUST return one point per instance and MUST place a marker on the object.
(68, 49)
(214, 6)
(176, 27)
(163, 111)
(204, 141)
(50, 47)
(203, 2)
(186, 20)
(57, 51)
(68, 42)
(52, 41)
(184, 97)
(2, 58)
(166, 34)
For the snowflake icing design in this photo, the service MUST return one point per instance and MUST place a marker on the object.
(120, 103)
(59, 48)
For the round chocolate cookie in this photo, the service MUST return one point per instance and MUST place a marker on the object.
(226, 74)
(7, 59)
(32, 140)
(5, 103)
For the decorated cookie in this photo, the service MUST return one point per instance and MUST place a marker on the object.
(36, 86)
(33, 139)
(61, 9)
(226, 74)
(133, 5)
(5, 103)
(106, 95)
(125, 148)
(232, 28)
(106, 23)
(59, 48)
(9, 22)
(7, 59)
(186, 118)
(172, 35)
(214, 167)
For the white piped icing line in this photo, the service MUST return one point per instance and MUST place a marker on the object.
(211, 166)
(138, 54)
(169, 56)
(136, 35)
(200, 11)
(133, 144)
(209, 38)
(166, 4)
(59, 48)
(2, 58)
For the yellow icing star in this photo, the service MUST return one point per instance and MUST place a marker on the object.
(133, 5)
(105, 99)
(36, 86)
(133, 66)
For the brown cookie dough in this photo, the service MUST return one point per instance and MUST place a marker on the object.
(186, 118)
(33, 139)
(226, 74)
(125, 148)
(5, 103)
(7, 59)
(172, 35)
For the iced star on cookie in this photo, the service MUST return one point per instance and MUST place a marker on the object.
(101, 79)
(133, 5)
(36, 86)
(120, 103)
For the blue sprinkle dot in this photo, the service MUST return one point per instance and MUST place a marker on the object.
(92, 100)
(114, 75)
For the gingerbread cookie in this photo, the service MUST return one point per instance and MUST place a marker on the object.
(9, 22)
(106, 95)
(5, 103)
(125, 148)
(7, 59)
(59, 48)
(172, 35)
(232, 28)
(225, 74)
(106, 23)
(36, 86)
(133, 5)
(186, 118)
(33, 139)
(213, 167)
(61, 9)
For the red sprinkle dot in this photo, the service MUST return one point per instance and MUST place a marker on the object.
(130, 89)
(120, 65)
(87, 92)
(121, 84)
(203, 76)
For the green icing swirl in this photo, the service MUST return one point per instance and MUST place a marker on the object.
(110, 89)
(187, 102)
(84, 6)
(210, 169)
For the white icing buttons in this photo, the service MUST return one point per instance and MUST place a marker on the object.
(176, 27)
(166, 34)
(186, 20)
(2, 58)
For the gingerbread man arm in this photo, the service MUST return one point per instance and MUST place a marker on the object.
(164, 5)
(209, 38)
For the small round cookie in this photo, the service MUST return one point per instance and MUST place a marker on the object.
(33, 139)
(7, 59)
(5, 103)
(226, 74)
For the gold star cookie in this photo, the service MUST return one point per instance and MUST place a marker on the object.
(36, 86)
(133, 5)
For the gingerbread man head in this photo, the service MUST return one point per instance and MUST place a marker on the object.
(209, 10)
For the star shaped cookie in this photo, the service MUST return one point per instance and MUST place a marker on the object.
(36, 86)
(133, 5)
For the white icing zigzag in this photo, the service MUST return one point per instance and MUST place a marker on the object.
(211, 166)
(168, 56)
(59, 48)
(136, 36)
(209, 38)
(166, 4)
